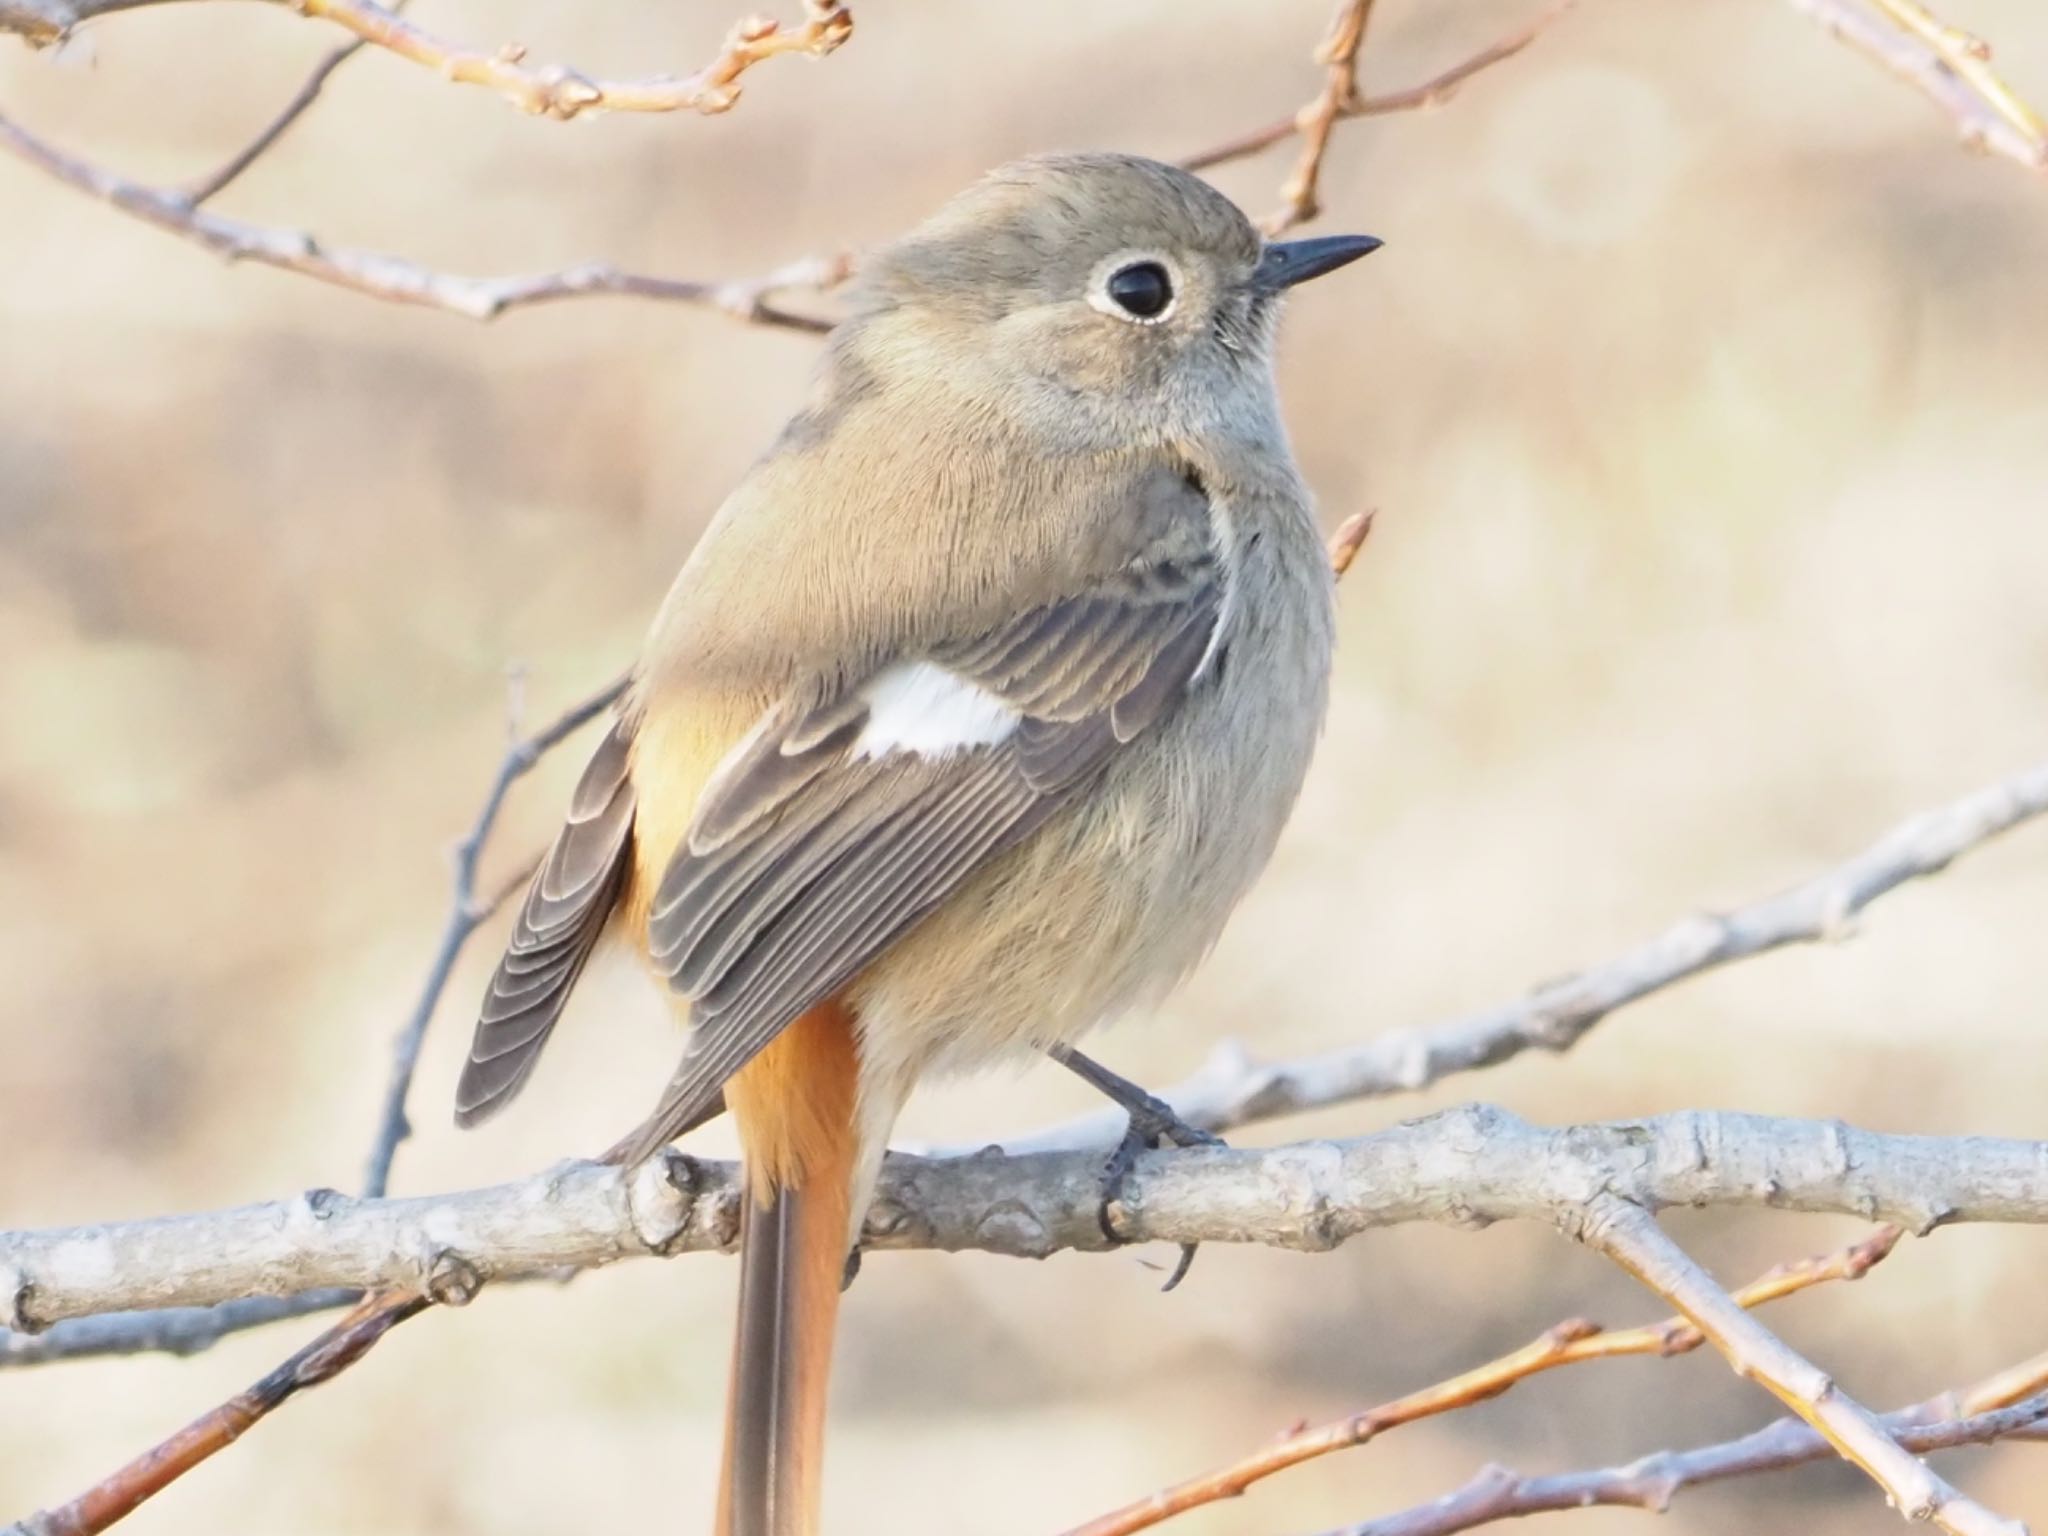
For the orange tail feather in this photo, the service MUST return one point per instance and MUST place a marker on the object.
(794, 1104)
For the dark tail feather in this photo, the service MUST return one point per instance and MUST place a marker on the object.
(790, 1271)
(793, 1247)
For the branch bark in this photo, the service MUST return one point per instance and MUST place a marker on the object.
(1466, 1167)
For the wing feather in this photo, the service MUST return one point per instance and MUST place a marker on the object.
(566, 908)
(813, 859)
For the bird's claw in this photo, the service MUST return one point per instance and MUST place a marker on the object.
(1152, 1124)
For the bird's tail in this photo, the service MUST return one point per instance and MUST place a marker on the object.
(794, 1104)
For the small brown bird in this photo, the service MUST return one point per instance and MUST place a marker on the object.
(973, 714)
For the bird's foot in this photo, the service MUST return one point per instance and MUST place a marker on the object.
(1153, 1124)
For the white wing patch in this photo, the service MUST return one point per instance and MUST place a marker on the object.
(915, 706)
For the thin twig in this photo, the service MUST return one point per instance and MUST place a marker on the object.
(399, 281)
(188, 1330)
(553, 90)
(1628, 1234)
(1430, 93)
(1652, 1482)
(465, 913)
(1948, 66)
(1234, 1089)
(210, 186)
(149, 1474)
(1571, 1342)
(561, 93)
(447, 1281)
(1338, 54)
(166, 1330)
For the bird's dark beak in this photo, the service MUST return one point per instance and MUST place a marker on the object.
(1287, 262)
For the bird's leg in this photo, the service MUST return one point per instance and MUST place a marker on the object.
(1152, 1122)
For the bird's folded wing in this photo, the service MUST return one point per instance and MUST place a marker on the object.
(566, 909)
(850, 813)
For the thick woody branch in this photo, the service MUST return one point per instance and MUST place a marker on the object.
(1233, 1089)
(399, 281)
(553, 90)
(1466, 1167)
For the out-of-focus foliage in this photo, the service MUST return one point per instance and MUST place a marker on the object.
(1703, 389)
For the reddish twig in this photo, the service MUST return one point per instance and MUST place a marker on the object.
(1629, 1235)
(1349, 539)
(1338, 54)
(156, 1469)
(549, 91)
(1975, 1416)
(1568, 1343)
(562, 93)
(1339, 101)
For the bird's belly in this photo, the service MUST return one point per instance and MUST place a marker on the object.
(1109, 904)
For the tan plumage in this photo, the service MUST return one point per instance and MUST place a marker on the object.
(966, 724)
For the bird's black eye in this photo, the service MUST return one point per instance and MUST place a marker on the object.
(1142, 289)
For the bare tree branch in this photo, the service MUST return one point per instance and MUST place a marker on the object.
(1948, 66)
(1339, 101)
(114, 1497)
(1338, 54)
(1234, 1089)
(553, 90)
(1467, 1167)
(560, 92)
(1630, 1235)
(400, 281)
(1571, 1342)
(1652, 1482)
(167, 1330)
(188, 1330)
(217, 181)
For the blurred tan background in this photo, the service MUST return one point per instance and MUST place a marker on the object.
(1703, 389)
